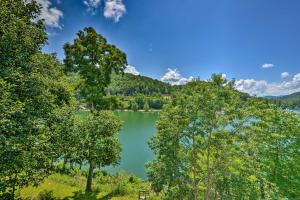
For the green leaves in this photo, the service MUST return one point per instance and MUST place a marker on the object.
(98, 138)
(94, 59)
(32, 88)
(216, 143)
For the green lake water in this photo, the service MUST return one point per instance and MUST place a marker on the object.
(138, 128)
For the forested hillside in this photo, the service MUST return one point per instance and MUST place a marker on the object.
(129, 85)
(291, 101)
(137, 92)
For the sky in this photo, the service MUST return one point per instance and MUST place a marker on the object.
(255, 42)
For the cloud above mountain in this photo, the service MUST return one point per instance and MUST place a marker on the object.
(131, 70)
(175, 78)
(264, 88)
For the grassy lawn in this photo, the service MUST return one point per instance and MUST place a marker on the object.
(64, 187)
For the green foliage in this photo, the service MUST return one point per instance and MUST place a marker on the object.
(96, 141)
(130, 85)
(22, 35)
(97, 138)
(46, 195)
(134, 106)
(214, 143)
(146, 106)
(94, 60)
(33, 88)
(129, 88)
(291, 101)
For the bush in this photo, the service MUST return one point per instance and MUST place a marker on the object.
(131, 179)
(46, 195)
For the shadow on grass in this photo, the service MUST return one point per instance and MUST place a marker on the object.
(107, 197)
(81, 195)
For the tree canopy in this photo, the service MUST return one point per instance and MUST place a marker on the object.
(33, 87)
(214, 143)
(94, 60)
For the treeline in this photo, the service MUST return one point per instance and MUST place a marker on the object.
(135, 92)
(130, 85)
(291, 101)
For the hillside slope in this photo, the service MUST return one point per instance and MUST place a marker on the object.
(129, 84)
(291, 101)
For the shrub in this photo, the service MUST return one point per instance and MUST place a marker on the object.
(46, 195)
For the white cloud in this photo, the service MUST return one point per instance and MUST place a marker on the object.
(131, 70)
(114, 9)
(51, 15)
(174, 77)
(267, 65)
(224, 76)
(284, 74)
(263, 88)
(92, 5)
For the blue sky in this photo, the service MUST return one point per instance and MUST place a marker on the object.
(257, 42)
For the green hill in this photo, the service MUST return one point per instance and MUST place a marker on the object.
(129, 85)
(291, 101)
(137, 92)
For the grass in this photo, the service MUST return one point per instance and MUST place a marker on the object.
(105, 186)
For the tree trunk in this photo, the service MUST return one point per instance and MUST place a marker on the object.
(14, 186)
(262, 190)
(90, 178)
(207, 194)
(195, 187)
(64, 165)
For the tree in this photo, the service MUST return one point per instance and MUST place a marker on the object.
(146, 106)
(94, 60)
(273, 140)
(216, 143)
(98, 142)
(190, 126)
(22, 35)
(32, 87)
(134, 106)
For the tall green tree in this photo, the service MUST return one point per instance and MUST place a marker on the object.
(94, 60)
(32, 87)
(27, 151)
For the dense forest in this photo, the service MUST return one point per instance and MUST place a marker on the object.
(137, 92)
(291, 101)
(134, 91)
(212, 141)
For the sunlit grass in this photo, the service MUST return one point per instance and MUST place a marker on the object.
(115, 187)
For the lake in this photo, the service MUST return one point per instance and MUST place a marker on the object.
(138, 128)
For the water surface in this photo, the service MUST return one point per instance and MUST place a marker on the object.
(138, 128)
